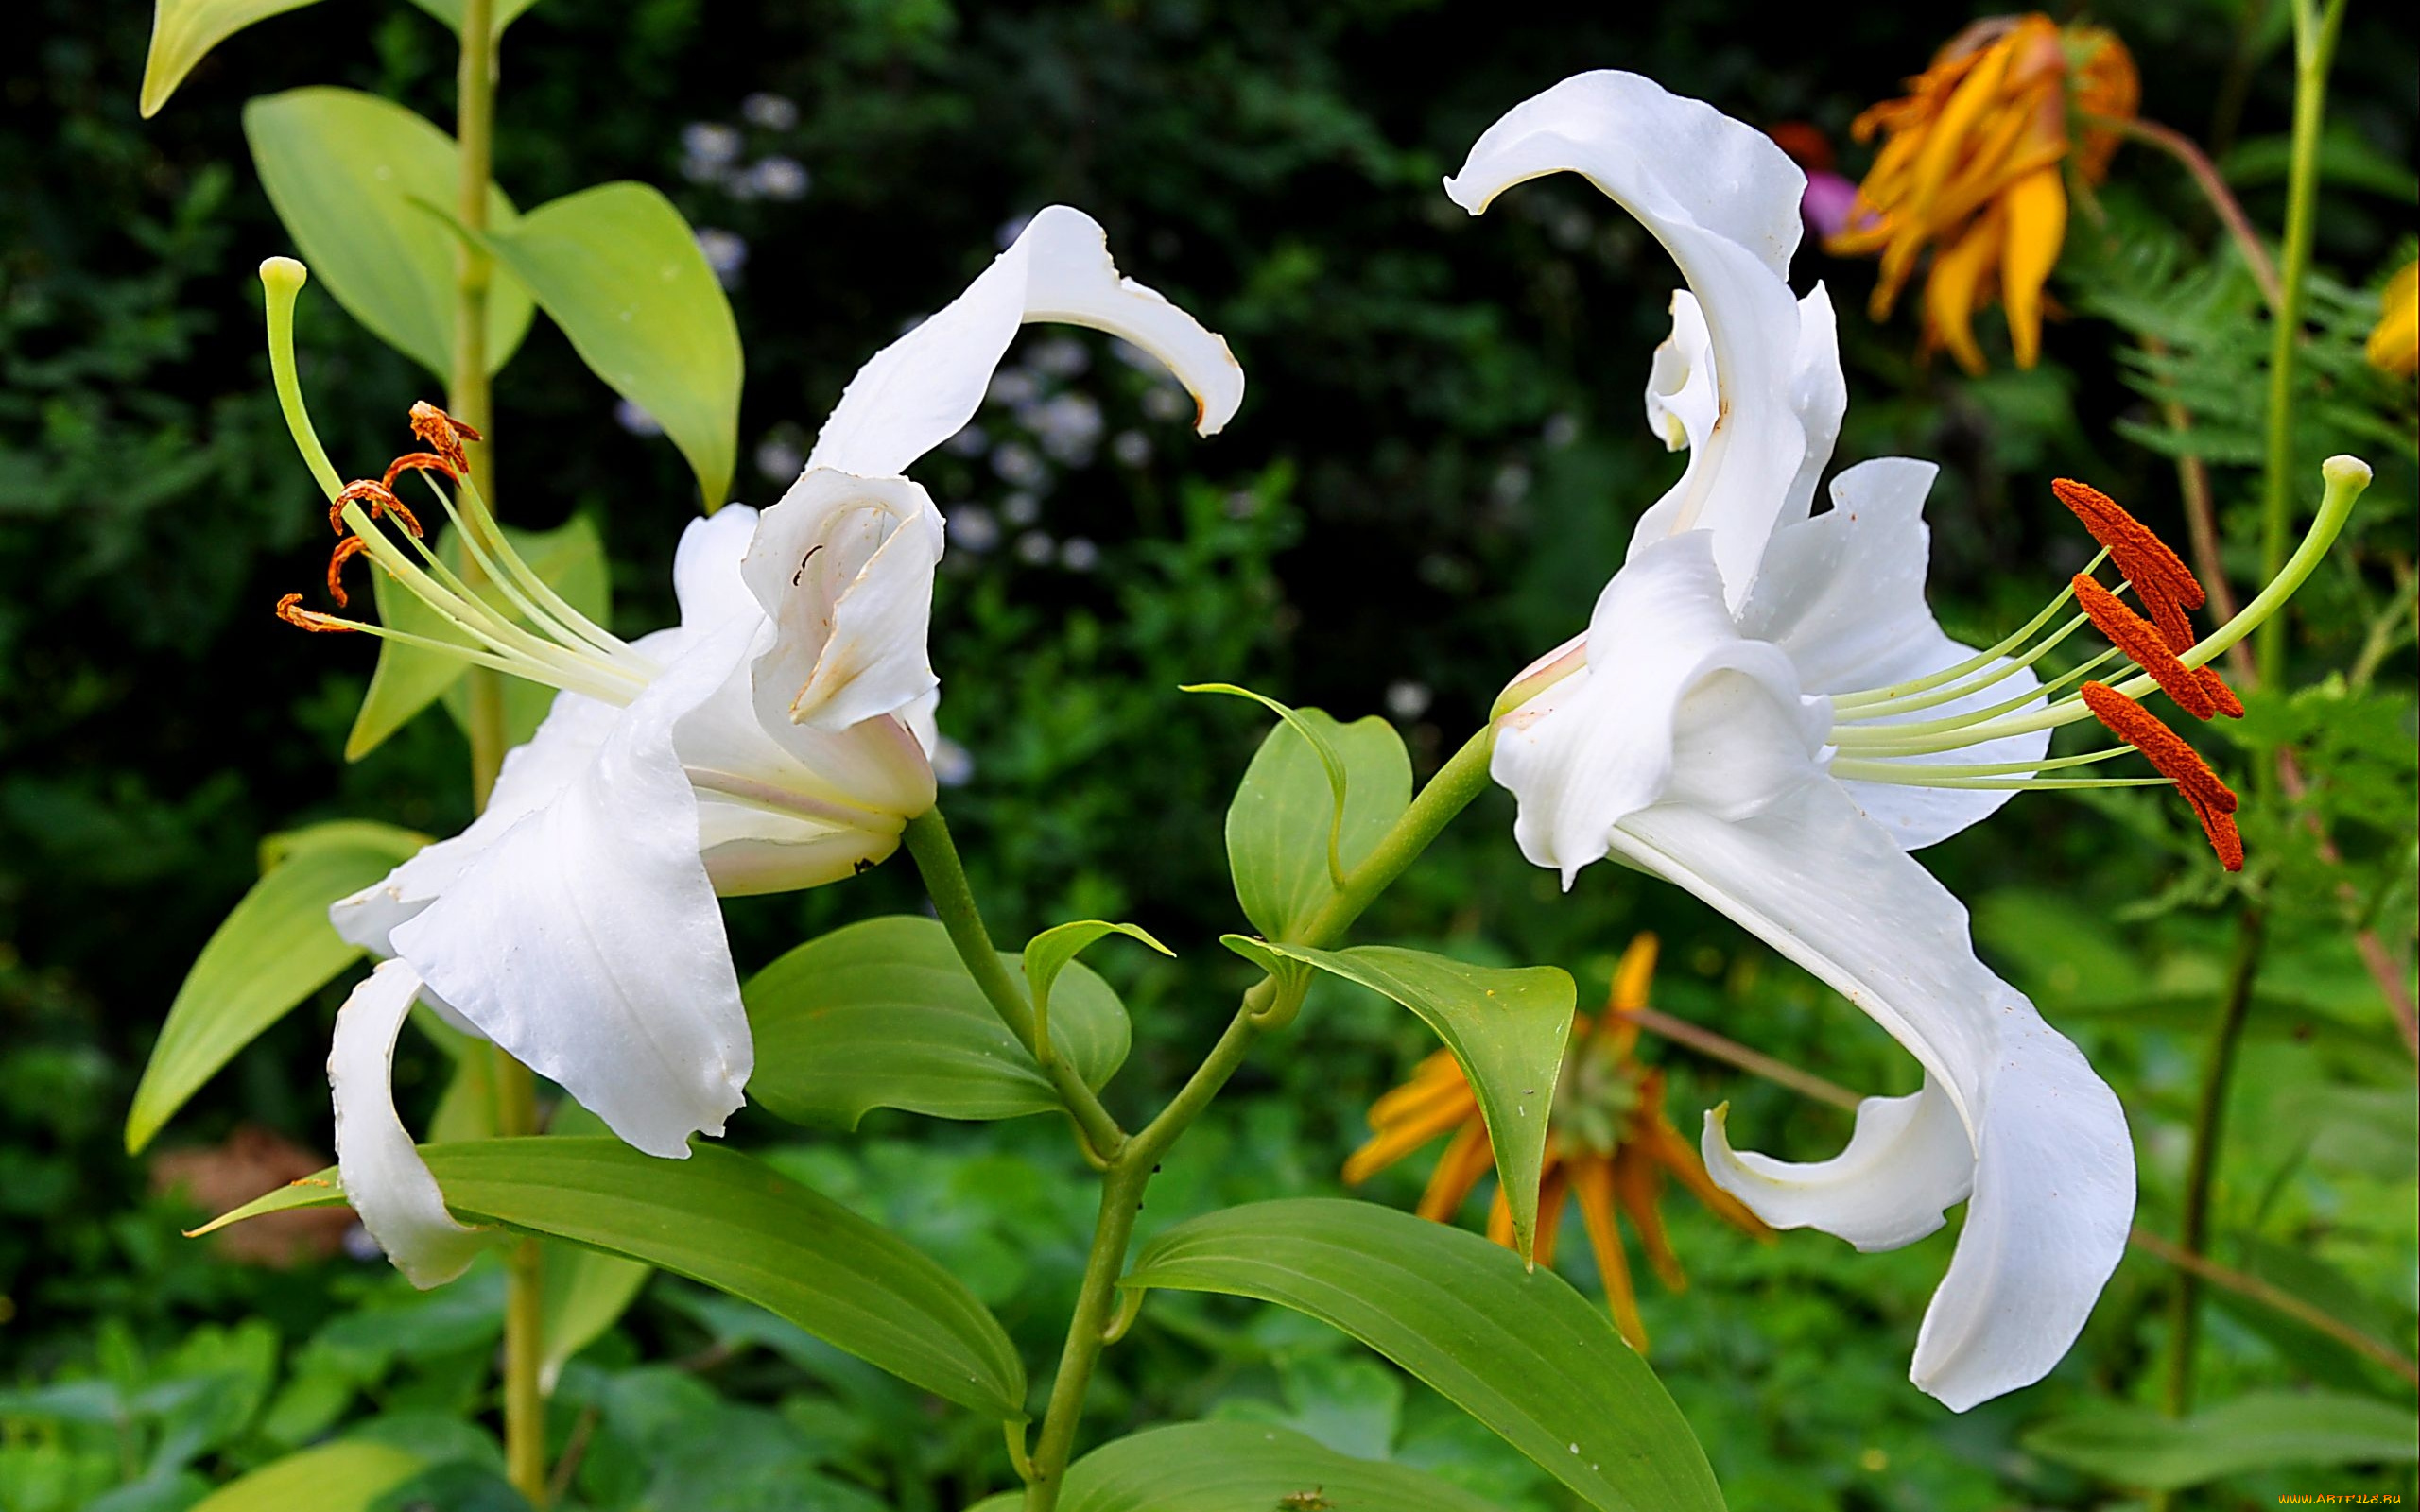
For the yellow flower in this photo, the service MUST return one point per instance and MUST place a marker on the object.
(1970, 165)
(2395, 346)
(1607, 1145)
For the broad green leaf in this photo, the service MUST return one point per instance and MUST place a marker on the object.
(1286, 815)
(183, 33)
(1220, 1467)
(1515, 1347)
(450, 12)
(364, 186)
(1507, 1030)
(585, 1291)
(341, 1477)
(569, 558)
(883, 1014)
(274, 950)
(1048, 953)
(737, 1225)
(2134, 1446)
(620, 271)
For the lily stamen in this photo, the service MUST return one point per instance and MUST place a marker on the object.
(2213, 802)
(350, 548)
(2142, 641)
(443, 434)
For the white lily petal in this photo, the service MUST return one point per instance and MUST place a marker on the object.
(1844, 594)
(1682, 404)
(532, 774)
(1600, 745)
(1724, 201)
(1907, 1163)
(1819, 391)
(923, 387)
(385, 1179)
(2053, 1177)
(587, 941)
(705, 568)
(844, 567)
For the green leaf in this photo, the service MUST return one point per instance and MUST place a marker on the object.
(739, 1226)
(1048, 953)
(1515, 1347)
(363, 186)
(1507, 1030)
(1315, 801)
(274, 950)
(1222, 1467)
(620, 271)
(2133, 1446)
(450, 12)
(569, 558)
(584, 1292)
(183, 33)
(344, 1477)
(884, 1014)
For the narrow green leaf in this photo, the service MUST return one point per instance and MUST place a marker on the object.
(1507, 1030)
(737, 1225)
(1049, 952)
(2133, 1446)
(884, 1014)
(1515, 1347)
(1220, 1467)
(450, 12)
(274, 950)
(361, 184)
(1315, 801)
(583, 1291)
(569, 558)
(342, 1477)
(183, 33)
(620, 271)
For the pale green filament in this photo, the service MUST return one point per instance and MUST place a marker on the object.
(1853, 769)
(2345, 477)
(1886, 707)
(281, 278)
(1974, 663)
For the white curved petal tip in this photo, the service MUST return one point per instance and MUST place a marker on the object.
(385, 1179)
(1073, 278)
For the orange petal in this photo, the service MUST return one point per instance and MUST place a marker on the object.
(1466, 1159)
(1954, 290)
(1635, 974)
(1675, 1155)
(2038, 227)
(1400, 1139)
(1592, 1182)
(1635, 1180)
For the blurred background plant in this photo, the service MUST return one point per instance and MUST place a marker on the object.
(1437, 465)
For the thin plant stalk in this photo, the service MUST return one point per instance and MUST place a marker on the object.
(468, 398)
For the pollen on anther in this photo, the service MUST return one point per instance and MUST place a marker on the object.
(378, 498)
(419, 462)
(2213, 802)
(291, 610)
(350, 548)
(2145, 559)
(2141, 640)
(443, 434)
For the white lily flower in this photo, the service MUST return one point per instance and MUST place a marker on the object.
(776, 738)
(1763, 711)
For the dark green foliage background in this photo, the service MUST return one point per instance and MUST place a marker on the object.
(1435, 468)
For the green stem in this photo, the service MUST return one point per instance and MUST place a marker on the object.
(929, 841)
(2314, 50)
(2210, 1132)
(468, 399)
(1459, 781)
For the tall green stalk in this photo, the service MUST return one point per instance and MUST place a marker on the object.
(469, 399)
(2315, 34)
(1128, 1162)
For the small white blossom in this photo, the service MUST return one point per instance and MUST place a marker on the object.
(973, 527)
(726, 252)
(1131, 448)
(633, 417)
(1078, 555)
(1035, 548)
(774, 112)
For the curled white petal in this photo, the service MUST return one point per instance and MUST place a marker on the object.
(385, 1179)
(1906, 1164)
(843, 566)
(1724, 201)
(923, 387)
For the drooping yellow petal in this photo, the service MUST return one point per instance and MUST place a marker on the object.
(2036, 208)
(1659, 1139)
(1592, 1184)
(1400, 1138)
(1466, 1159)
(1954, 290)
(1637, 1180)
(2395, 344)
(1635, 974)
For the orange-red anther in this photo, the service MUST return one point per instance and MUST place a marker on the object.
(2213, 802)
(2140, 639)
(291, 610)
(419, 462)
(2146, 560)
(379, 498)
(443, 434)
(350, 548)
(2178, 632)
